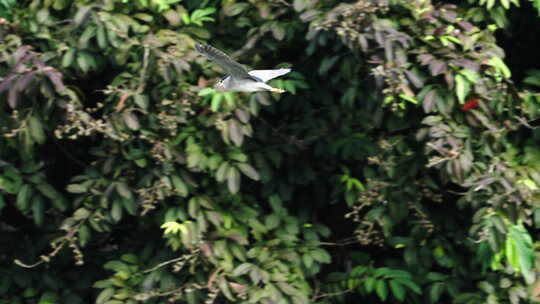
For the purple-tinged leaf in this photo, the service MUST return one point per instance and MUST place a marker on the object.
(453, 142)
(466, 63)
(440, 31)
(437, 67)
(56, 79)
(388, 50)
(449, 16)
(456, 168)
(425, 59)
(40, 64)
(466, 26)
(417, 82)
(22, 82)
(449, 78)
(448, 6)
(243, 115)
(309, 15)
(21, 52)
(429, 101)
(379, 38)
(12, 97)
(466, 160)
(364, 45)
(401, 57)
(6, 83)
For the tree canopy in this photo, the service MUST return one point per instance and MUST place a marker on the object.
(401, 165)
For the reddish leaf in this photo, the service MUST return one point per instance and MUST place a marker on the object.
(470, 104)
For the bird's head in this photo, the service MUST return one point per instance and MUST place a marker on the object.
(220, 85)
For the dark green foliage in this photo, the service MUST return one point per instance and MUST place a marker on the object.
(402, 165)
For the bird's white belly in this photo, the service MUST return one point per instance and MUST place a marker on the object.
(248, 86)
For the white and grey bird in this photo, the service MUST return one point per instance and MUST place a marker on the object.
(239, 79)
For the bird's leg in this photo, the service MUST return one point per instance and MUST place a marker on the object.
(277, 90)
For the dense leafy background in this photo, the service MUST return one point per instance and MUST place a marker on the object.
(403, 164)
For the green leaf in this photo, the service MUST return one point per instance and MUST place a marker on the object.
(23, 197)
(101, 37)
(104, 295)
(463, 88)
(320, 255)
(272, 221)
(76, 188)
(36, 129)
(397, 290)
(519, 251)
(84, 235)
(131, 120)
(69, 56)
(179, 185)
(410, 284)
(500, 66)
(48, 298)
(224, 287)
(130, 205)
(236, 133)
(82, 14)
(123, 190)
(38, 210)
(233, 180)
(381, 290)
(87, 34)
(216, 102)
(435, 291)
(56, 198)
(222, 172)
(369, 284)
(207, 91)
(242, 269)
(235, 9)
(116, 266)
(408, 98)
(116, 211)
(307, 259)
(248, 171)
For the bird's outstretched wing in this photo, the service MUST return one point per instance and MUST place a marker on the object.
(231, 67)
(266, 75)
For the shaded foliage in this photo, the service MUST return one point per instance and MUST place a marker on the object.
(402, 164)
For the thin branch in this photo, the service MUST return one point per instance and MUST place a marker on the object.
(164, 264)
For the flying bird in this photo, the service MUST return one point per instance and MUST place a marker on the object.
(239, 79)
